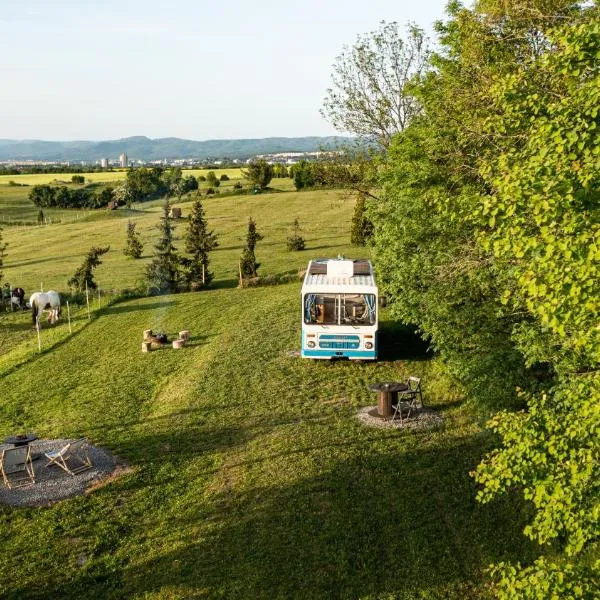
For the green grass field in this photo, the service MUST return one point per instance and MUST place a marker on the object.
(249, 473)
(103, 176)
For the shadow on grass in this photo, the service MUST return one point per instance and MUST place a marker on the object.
(398, 341)
(383, 523)
(135, 307)
(222, 284)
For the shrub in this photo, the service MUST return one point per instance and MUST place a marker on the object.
(224, 177)
(296, 243)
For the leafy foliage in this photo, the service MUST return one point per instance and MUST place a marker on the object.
(84, 276)
(487, 238)
(47, 196)
(369, 96)
(260, 173)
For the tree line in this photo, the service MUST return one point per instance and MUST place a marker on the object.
(484, 199)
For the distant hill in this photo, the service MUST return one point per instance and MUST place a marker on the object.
(143, 148)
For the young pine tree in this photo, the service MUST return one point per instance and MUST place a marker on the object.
(362, 228)
(248, 263)
(295, 242)
(134, 245)
(199, 242)
(84, 274)
(2, 250)
(163, 273)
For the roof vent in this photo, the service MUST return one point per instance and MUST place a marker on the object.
(340, 268)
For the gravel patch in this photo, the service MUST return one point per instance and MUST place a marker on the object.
(53, 483)
(424, 418)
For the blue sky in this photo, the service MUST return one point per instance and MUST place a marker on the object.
(191, 69)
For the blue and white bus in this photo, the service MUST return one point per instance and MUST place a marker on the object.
(339, 310)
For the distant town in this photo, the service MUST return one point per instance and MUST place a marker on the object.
(124, 162)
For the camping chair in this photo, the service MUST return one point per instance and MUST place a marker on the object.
(408, 398)
(73, 457)
(17, 461)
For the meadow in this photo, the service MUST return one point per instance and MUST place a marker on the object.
(102, 176)
(246, 471)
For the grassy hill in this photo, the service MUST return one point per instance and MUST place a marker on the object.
(249, 474)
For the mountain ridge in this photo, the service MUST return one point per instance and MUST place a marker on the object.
(145, 148)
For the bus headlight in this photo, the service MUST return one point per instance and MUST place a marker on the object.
(368, 345)
(311, 344)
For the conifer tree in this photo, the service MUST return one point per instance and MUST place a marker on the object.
(248, 263)
(199, 242)
(84, 274)
(134, 245)
(295, 242)
(362, 228)
(163, 273)
(2, 249)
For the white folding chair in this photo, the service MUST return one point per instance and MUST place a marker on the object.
(16, 466)
(72, 458)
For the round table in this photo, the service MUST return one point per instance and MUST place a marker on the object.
(388, 392)
(17, 440)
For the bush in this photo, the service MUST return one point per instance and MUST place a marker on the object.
(295, 243)
(224, 177)
(80, 179)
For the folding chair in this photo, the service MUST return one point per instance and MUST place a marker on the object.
(17, 461)
(72, 458)
(407, 399)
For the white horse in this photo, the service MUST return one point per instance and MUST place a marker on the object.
(45, 301)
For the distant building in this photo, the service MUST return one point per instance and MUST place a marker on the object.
(104, 163)
(123, 160)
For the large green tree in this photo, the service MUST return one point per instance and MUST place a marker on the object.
(542, 224)
(369, 95)
(260, 173)
(486, 237)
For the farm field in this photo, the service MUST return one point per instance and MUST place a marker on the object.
(49, 255)
(102, 176)
(248, 473)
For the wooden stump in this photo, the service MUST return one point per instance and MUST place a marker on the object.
(146, 346)
(178, 344)
(147, 334)
(384, 404)
(184, 335)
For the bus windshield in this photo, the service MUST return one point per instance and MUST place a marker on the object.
(339, 309)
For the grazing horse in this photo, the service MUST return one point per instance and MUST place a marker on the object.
(18, 298)
(45, 301)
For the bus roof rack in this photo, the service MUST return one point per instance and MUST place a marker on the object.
(318, 266)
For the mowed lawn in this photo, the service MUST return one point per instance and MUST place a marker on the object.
(48, 256)
(250, 475)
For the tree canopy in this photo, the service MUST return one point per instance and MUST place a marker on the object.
(369, 94)
(486, 237)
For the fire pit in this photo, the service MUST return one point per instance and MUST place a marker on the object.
(23, 439)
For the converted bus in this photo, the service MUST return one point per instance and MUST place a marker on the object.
(339, 310)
